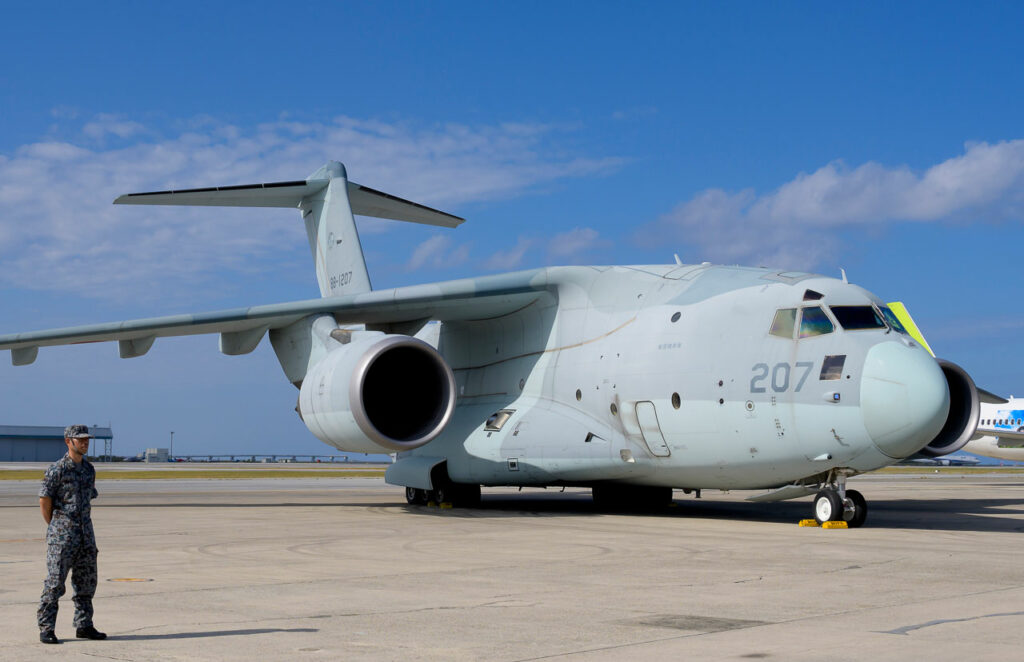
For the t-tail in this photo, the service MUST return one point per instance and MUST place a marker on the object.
(327, 201)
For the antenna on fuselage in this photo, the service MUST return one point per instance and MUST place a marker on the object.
(676, 256)
(843, 272)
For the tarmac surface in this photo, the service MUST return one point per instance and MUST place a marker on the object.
(343, 568)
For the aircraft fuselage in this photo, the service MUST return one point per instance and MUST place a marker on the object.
(683, 376)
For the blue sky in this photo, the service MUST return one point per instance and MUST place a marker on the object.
(884, 140)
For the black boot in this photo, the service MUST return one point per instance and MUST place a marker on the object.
(48, 637)
(89, 633)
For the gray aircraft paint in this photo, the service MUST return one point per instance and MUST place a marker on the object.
(722, 435)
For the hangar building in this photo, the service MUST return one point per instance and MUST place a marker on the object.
(44, 443)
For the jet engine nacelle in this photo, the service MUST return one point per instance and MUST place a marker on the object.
(378, 394)
(964, 411)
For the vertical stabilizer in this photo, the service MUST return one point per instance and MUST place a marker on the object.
(333, 238)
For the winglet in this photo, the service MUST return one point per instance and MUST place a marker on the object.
(901, 313)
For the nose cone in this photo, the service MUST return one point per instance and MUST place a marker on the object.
(904, 398)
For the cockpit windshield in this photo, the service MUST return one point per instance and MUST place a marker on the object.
(814, 322)
(784, 323)
(894, 321)
(855, 318)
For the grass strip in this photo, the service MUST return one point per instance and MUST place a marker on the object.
(200, 474)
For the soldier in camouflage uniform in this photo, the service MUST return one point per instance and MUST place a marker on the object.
(64, 498)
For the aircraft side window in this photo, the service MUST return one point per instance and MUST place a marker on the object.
(784, 323)
(814, 322)
(855, 318)
(832, 367)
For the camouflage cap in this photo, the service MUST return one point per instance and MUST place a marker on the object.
(77, 432)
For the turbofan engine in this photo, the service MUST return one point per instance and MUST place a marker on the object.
(964, 410)
(378, 394)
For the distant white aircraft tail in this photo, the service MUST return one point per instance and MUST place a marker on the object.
(327, 201)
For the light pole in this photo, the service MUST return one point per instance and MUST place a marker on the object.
(172, 445)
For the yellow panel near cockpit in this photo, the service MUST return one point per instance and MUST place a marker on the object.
(901, 313)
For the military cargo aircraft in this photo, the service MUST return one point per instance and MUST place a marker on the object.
(632, 380)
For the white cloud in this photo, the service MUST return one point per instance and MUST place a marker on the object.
(572, 245)
(509, 259)
(437, 252)
(58, 230)
(797, 225)
(99, 128)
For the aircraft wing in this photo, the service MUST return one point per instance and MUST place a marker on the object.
(241, 329)
(991, 398)
(1010, 439)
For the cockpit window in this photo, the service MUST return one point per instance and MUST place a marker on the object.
(854, 318)
(893, 321)
(814, 322)
(784, 323)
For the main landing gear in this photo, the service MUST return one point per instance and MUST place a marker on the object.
(836, 503)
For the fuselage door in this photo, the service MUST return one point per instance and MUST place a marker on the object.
(650, 429)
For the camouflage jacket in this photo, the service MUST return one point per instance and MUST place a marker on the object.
(72, 487)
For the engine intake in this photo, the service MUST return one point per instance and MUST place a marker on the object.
(378, 393)
(964, 411)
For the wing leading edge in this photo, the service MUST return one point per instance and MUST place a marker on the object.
(241, 329)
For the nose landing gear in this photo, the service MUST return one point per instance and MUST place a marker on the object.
(836, 503)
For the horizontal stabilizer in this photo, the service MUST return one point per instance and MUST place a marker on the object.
(365, 201)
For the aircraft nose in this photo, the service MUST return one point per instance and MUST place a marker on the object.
(904, 398)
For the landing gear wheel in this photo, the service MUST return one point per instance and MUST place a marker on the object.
(416, 496)
(828, 506)
(856, 510)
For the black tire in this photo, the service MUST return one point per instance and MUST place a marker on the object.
(860, 509)
(415, 496)
(828, 507)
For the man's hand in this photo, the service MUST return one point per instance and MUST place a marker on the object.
(46, 506)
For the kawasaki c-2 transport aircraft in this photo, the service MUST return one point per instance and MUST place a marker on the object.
(632, 380)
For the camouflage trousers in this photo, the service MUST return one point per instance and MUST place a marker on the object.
(80, 560)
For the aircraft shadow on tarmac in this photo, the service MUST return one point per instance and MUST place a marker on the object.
(988, 515)
(200, 635)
